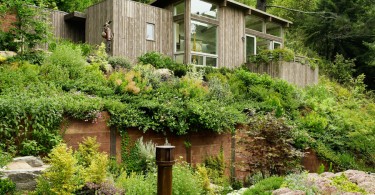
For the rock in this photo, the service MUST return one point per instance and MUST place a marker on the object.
(238, 192)
(368, 186)
(23, 180)
(18, 165)
(23, 171)
(327, 175)
(287, 191)
(8, 54)
(31, 160)
(164, 73)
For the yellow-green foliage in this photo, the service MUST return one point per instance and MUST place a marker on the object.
(137, 183)
(96, 172)
(62, 177)
(2, 59)
(192, 87)
(87, 150)
(70, 171)
(205, 180)
(94, 162)
(131, 82)
(342, 183)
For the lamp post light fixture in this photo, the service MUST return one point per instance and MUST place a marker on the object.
(165, 161)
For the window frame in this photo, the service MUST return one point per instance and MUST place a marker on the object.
(255, 45)
(206, 1)
(153, 31)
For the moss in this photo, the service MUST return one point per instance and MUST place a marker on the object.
(343, 183)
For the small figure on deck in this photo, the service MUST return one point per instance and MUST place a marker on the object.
(108, 36)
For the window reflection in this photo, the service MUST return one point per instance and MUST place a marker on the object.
(203, 8)
(203, 37)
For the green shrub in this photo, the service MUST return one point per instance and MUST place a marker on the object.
(265, 186)
(119, 62)
(138, 183)
(6, 43)
(160, 61)
(7, 186)
(93, 162)
(269, 141)
(69, 59)
(33, 57)
(267, 56)
(300, 182)
(62, 176)
(215, 166)
(185, 180)
(5, 158)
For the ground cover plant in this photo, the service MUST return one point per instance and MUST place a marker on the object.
(73, 82)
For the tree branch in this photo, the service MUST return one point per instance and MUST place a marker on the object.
(332, 15)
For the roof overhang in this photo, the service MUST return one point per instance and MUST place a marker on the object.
(246, 8)
(75, 17)
(259, 13)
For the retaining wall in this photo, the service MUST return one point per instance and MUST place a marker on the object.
(203, 144)
(294, 72)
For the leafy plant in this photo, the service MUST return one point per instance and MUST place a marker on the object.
(7, 186)
(343, 183)
(137, 183)
(215, 166)
(29, 27)
(271, 148)
(265, 186)
(62, 176)
(119, 62)
(299, 182)
(5, 158)
(185, 180)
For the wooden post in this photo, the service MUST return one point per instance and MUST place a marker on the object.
(165, 161)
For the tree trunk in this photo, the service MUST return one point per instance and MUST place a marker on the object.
(261, 5)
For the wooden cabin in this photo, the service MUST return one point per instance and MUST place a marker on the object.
(218, 33)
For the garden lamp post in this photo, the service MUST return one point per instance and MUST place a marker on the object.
(165, 161)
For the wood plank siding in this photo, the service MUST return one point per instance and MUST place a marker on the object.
(294, 72)
(74, 31)
(97, 16)
(231, 30)
(129, 24)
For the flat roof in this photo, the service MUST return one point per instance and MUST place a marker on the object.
(75, 16)
(252, 10)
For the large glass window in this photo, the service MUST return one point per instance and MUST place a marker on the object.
(203, 37)
(179, 36)
(254, 23)
(179, 8)
(273, 29)
(250, 46)
(204, 8)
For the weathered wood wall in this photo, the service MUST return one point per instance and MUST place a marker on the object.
(96, 16)
(129, 25)
(294, 72)
(231, 30)
(66, 30)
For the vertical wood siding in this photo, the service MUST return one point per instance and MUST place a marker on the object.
(231, 30)
(293, 72)
(96, 16)
(66, 30)
(129, 27)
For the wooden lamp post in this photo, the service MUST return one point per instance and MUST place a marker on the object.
(165, 161)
